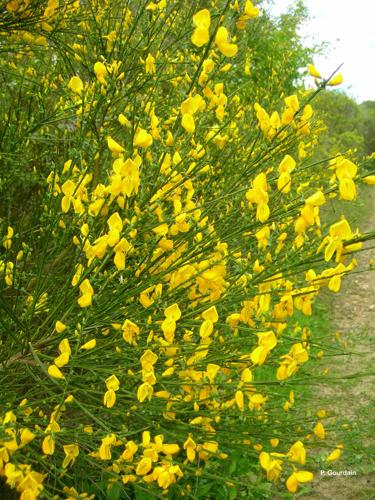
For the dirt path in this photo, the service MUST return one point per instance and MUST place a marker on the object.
(353, 399)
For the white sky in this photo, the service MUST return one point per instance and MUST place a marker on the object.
(349, 27)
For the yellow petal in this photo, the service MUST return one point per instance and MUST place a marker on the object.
(317, 199)
(62, 360)
(85, 300)
(109, 398)
(144, 466)
(75, 85)
(48, 445)
(292, 483)
(347, 189)
(200, 37)
(114, 146)
(211, 314)
(171, 449)
(173, 312)
(54, 372)
(319, 430)
(60, 327)
(264, 460)
(188, 123)
(142, 139)
(335, 455)
(100, 71)
(369, 179)
(336, 80)
(64, 346)
(89, 345)
(239, 400)
(304, 476)
(313, 71)
(202, 18)
(228, 49)
(119, 260)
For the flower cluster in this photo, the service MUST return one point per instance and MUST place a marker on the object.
(160, 289)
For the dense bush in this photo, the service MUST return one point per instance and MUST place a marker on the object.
(162, 244)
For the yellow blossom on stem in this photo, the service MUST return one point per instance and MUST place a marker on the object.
(221, 40)
(336, 80)
(71, 453)
(87, 346)
(313, 71)
(297, 477)
(55, 372)
(201, 34)
(75, 85)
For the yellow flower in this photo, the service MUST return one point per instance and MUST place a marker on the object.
(239, 400)
(313, 71)
(206, 328)
(68, 189)
(26, 436)
(211, 371)
(100, 72)
(7, 241)
(148, 359)
(336, 80)
(130, 449)
(144, 466)
(170, 449)
(60, 327)
(168, 327)
(114, 146)
(150, 64)
(190, 448)
(251, 11)
(161, 230)
(142, 139)
(369, 179)
(319, 430)
(71, 453)
(75, 85)
(113, 383)
(297, 477)
(173, 312)
(55, 372)
(145, 391)
(109, 398)
(273, 467)
(105, 447)
(345, 169)
(89, 345)
(287, 164)
(221, 40)
(335, 455)
(297, 453)
(87, 293)
(317, 199)
(64, 346)
(211, 314)
(48, 445)
(201, 34)
(123, 120)
(130, 331)
(188, 123)
(347, 189)
(62, 360)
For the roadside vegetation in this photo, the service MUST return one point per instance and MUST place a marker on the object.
(169, 251)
